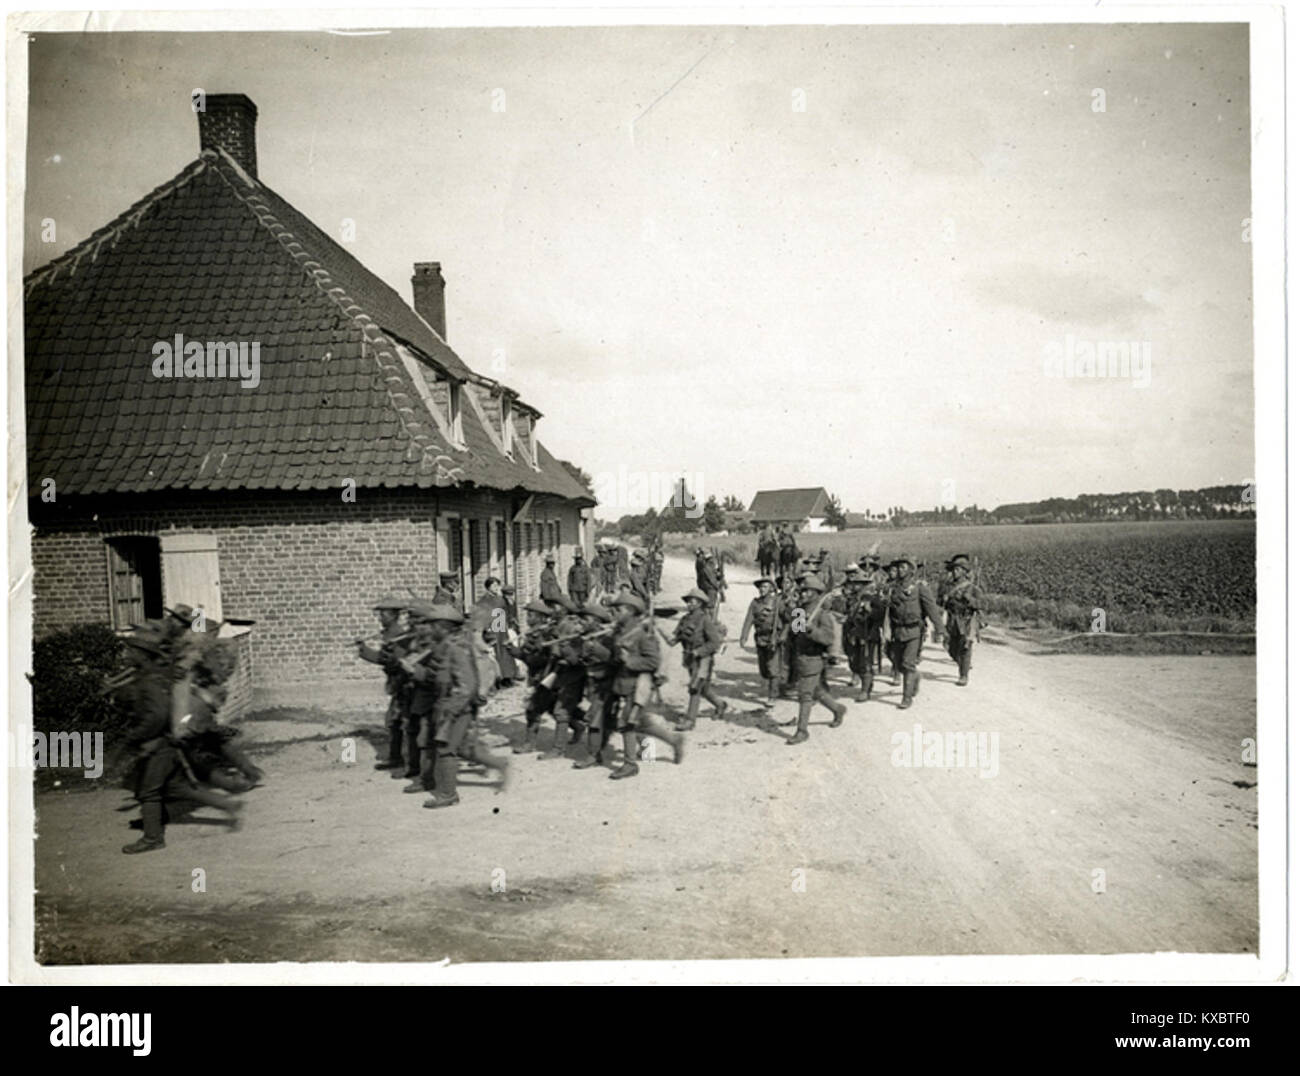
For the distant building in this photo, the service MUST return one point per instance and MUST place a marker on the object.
(799, 509)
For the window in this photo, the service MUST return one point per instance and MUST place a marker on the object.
(507, 426)
(532, 440)
(134, 580)
(454, 414)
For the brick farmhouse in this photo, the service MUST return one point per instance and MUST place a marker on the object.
(362, 456)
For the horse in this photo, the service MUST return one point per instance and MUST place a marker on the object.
(768, 554)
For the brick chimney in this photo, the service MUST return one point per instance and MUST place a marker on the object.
(229, 121)
(428, 291)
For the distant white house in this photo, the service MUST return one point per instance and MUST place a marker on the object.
(798, 509)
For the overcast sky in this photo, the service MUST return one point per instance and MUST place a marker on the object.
(774, 257)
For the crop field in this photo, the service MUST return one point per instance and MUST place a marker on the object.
(1146, 576)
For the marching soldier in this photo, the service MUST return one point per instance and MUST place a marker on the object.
(569, 676)
(636, 654)
(788, 592)
(598, 660)
(392, 636)
(535, 653)
(814, 630)
(550, 586)
(962, 599)
(891, 582)
(874, 591)
(609, 569)
(857, 630)
(700, 638)
(707, 578)
(764, 617)
(420, 666)
(655, 567)
(579, 580)
(910, 605)
(458, 699)
(636, 577)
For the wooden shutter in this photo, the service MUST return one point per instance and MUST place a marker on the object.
(191, 573)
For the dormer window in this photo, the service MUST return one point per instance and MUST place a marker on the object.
(532, 441)
(454, 420)
(507, 426)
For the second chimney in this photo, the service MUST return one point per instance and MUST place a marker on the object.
(428, 290)
(229, 121)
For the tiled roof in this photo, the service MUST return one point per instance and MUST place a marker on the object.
(216, 256)
(789, 504)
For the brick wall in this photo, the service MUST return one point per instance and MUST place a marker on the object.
(304, 566)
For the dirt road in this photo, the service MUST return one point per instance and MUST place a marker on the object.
(1122, 765)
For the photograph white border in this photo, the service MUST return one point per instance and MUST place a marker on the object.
(1267, 27)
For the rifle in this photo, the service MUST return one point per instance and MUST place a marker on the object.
(595, 633)
(410, 661)
(380, 635)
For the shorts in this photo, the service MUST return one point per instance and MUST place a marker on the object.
(905, 653)
(638, 690)
(452, 731)
(811, 685)
(700, 671)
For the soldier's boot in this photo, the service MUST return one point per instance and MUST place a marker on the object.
(394, 759)
(427, 778)
(719, 707)
(412, 767)
(963, 669)
(208, 798)
(528, 744)
(868, 684)
(692, 711)
(151, 821)
(577, 730)
(483, 757)
(592, 751)
(445, 794)
(560, 744)
(837, 708)
(629, 767)
(801, 731)
(909, 689)
(652, 725)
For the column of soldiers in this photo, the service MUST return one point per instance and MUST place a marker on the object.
(593, 662)
(436, 687)
(883, 611)
(591, 667)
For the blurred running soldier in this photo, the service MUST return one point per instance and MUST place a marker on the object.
(636, 653)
